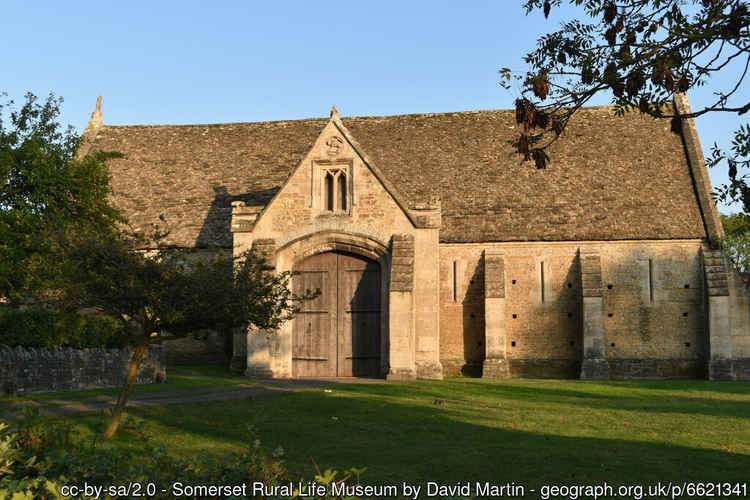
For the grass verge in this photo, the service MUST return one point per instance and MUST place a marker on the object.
(173, 383)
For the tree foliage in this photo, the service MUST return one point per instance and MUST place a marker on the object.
(170, 293)
(45, 328)
(173, 292)
(46, 193)
(737, 244)
(643, 52)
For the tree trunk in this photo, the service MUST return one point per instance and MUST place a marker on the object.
(122, 400)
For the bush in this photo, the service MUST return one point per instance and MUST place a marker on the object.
(25, 471)
(46, 328)
(39, 455)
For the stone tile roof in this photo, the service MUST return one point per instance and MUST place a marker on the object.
(610, 178)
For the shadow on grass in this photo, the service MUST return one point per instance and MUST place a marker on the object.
(659, 397)
(407, 438)
(724, 387)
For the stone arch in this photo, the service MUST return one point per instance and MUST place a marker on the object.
(307, 244)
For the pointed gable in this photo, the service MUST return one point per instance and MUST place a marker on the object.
(334, 184)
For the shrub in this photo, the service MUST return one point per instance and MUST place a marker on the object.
(39, 455)
(25, 473)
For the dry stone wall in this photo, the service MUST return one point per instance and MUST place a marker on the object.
(24, 371)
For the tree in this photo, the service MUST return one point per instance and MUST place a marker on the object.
(171, 293)
(47, 194)
(643, 51)
(737, 244)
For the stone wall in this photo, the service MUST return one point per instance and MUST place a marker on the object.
(24, 371)
(728, 320)
(739, 311)
(652, 296)
(208, 349)
(461, 309)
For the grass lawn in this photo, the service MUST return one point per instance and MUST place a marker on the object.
(533, 432)
(173, 383)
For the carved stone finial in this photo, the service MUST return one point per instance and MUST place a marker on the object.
(96, 115)
(89, 133)
(334, 112)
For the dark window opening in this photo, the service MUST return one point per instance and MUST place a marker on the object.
(651, 280)
(513, 343)
(329, 192)
(542, 279)
(342, 191)
(455, 285)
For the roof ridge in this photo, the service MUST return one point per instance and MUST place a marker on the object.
(324, 119)
(223, 124)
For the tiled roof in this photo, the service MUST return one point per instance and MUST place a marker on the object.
(610, 178)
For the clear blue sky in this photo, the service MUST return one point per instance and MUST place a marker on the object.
(195, 62)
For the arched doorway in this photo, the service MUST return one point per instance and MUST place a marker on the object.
(338, 333)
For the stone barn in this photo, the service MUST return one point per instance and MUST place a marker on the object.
(438, 252)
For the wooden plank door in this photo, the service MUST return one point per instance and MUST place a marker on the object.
(314, 349)
(338, 333)
(358, 316)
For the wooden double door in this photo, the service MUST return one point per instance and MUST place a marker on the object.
(338, 333)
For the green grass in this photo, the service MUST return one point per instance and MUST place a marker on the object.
(173, 383)
(532, 432)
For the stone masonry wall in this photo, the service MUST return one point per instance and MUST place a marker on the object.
(24, 371)
(739, 312)
(297, 206)
(208, 349)
(652, 297)
(656, 313)
(461, 309)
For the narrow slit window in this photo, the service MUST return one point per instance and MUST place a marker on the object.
(542, 277)
(651, 279)
(342, 191)
(455, 294)
(329, 192)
